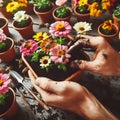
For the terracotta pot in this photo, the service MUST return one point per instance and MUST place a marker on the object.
(108, 37)
(116, 22)
(62, 19)
(81, 17)
(27, 31)
(56, 74)
(11, 113)
(6, 14)
(8, 55)
(4, 26)
(44, 17)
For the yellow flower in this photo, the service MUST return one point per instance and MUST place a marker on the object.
(82, 2)
(40, 36)
(12, 7)
(23, 3)
(107, 25)
(106, 4)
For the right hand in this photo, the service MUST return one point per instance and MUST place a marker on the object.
(106, 60)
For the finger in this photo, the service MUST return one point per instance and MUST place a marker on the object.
(91, 41)
(84, 65)
(48, 97)
(49, 85)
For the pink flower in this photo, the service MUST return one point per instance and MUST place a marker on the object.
(59, 54)
(60, 28)
(60, 2)
(28, 47)
(4, 81)
(2, 35)
(76, 2)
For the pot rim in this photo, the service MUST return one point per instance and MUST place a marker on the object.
(12, 45)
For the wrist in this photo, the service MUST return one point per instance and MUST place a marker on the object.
(92, 109)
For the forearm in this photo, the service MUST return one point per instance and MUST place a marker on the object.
(94, 110)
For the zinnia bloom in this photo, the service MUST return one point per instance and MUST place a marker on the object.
(60, 28)
(20, 15)
(45, 61)
(28, 47)
(12, 6)
(59, 54)
(82, 27)
(107, 25)
(40, 36)
(4, 81)
(23, 3)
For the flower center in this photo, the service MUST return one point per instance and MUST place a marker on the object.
(60, 27)
(45, 62)
(60, 53)
(27, 45)
(81, 28)
(1, 82)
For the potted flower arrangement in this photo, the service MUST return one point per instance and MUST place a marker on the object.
(43, 9)
(116, 17)
(62, 12)
(8, 104)
(7, 52)
(23, 23)
(47, 55)
(91, 8)
(81, 10)
(4, 26)
(108, 30)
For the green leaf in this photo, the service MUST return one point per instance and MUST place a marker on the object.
(2, 45)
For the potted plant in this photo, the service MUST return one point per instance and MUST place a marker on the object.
(108, 30)
(4, 26)
(43, 9)
(47, 55)
(116, 17)
(81, 10)
(7, 51)
(62, 12)
(8, 104)
(23, 23)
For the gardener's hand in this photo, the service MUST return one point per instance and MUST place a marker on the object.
(70, 96)
(106, 60)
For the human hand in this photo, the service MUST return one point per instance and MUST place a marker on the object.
(106, 60)
(70, 96)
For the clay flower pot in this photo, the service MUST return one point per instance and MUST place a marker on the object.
(26, 31)
(4, 26)
(108, 37)
(116, 22)
(67, 18)
(44, 17)
(81, 17)
(9, 54)
(10, 109)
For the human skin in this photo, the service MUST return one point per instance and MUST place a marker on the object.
(106, 60)
(71, 96)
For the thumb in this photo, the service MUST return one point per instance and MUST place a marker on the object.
(48, 85)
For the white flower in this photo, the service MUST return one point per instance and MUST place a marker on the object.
(20, 15)
(82, 27)
(45, 61)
